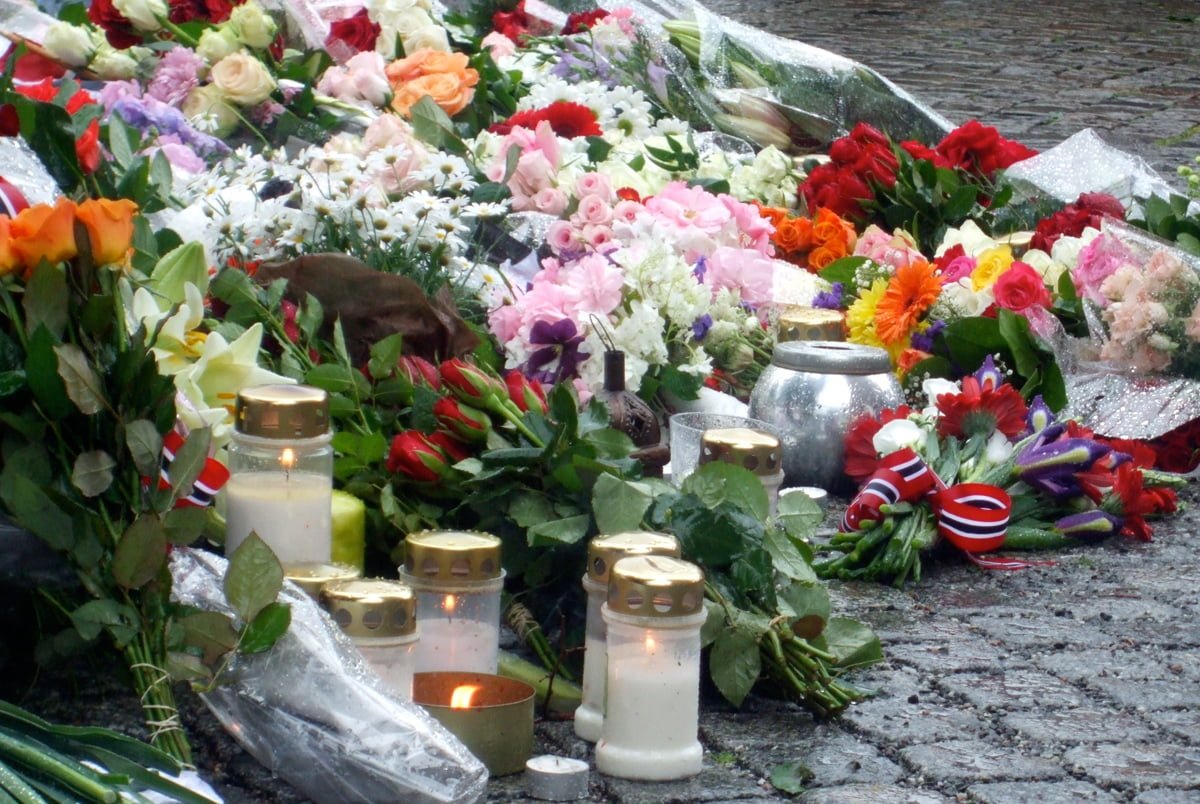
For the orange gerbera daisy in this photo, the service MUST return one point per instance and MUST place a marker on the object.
(911, 291)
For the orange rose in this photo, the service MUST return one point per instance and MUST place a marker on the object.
(909, 358)
(109, 227)
(829, 228)
(409, 67)
(793, 234)
(821, 256)
(774, 214)
(449, 91)
(45, 232)
(9, 261)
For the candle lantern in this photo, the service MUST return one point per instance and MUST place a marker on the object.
(457, 578)
(492, 715)
(811, 324)
(281, 472)
(313, 575)
(380, 618)
(755, 450)
(603, 552)
(654, 612)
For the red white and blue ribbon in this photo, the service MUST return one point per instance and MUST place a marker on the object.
(12, 200)
(210, 480)
(971, 516)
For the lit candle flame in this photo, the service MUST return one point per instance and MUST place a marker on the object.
(651, 645)
(287, 459)
(449, 604)
(463, 696)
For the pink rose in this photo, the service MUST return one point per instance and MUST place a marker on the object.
(1020, 288)
(499, 45)
(958, 268)
(594, 184)
(593, 209)
(898, 250)
(561, 236)
(1097, 261)
(550, 200)
(597, 236)
(627, 211)
(744, 270)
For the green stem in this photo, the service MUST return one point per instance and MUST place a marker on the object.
(10, 309)
(179, 34)
(152, 683)
(72, 776)
(14, 788)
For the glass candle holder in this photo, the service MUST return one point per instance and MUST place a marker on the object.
(281, 473)
(654, 612)
(687, 429)
(603, 552)
(755, 450)
(457, 578)
(312, 576)
(380, 618)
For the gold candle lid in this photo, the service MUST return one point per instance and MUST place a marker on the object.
(371, 607)
(452, 555)
(604, 551)
(282, 411)
(751, 449)
(811, 324)
(655, 586)
(312, 575)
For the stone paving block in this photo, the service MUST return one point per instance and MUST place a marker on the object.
(1180, 722)
(1084, 665)
(971, 653)
(871, 794)
(899, 626)
(1165, 796)
(1168, 635)
(1085, 725)
(959, 762)
(1019, 689)
(1137, 765)
(834, 756)
(899, 722)
(713, 784)
(1150, 694)
(1067, 792)
(1033, 631)
(1125, 610)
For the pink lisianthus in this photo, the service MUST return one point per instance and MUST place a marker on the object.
(898, 250)
(362, 79)
(744, 270)
(536, 167)
(755, 230)
(113, 91)
(181, 156)
(1099, 260)
(593, 285)
(175, 76)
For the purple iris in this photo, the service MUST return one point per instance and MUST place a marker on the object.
(701, 326)
(989, 374)
(1040, 416)
(1051, 467)
(924, 340)
(1091, 524)
(559, 341)
(830, 299)
(149, 115)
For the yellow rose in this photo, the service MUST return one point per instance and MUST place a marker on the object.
(109, 227)
(44, 232)
(243, 79)
(989, 265)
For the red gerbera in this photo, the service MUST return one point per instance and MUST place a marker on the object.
(861, 460)
(1132, 500)
(981, 411)
(568, 120)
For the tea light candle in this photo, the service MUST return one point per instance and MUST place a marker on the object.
(491, 715)
(551, 778)
(311, 577)
(654, 612)
(457, 578)
(281, 472)
(603, 552)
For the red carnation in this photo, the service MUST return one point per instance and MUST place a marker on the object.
(358, 31)
(582, 21)
(513, 24)
(568, 120)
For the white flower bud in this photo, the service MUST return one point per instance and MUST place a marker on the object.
(73, 45)
(146, 15)
(253, 26)
(217, 43)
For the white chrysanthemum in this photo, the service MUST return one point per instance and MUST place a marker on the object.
(486, 210)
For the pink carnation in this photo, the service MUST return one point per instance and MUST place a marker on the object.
(175, 76)
(744, 270)
(1097, 261)
(593, 286)
(685, 207)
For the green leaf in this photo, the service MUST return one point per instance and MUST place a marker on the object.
(96, 615)
(530, 508)
(253, 579)
(735, 664)
(1014, 328)
(610, 443)
(790, 777)
(145, 445)
(189, 462)
(384, 356)
(598, 149)
(211, 632)
(187, 264)
(140, 552)
(267, 627)
(568, 530)
(184, 525)
(46, 299)
(233, 286)
(710, 537)
(80, 379)
(619, 505)
(719, 482)
(431, 124)
(119, 142)
(334, 378)
(972, 339)
(853, 643)
(714, 623)
(798, 514)
(423, 400)
(807, 605)
(843, 270)
(786, 559)
(92, 473)
(35, 511)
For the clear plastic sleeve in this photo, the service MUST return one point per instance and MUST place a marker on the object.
(311, 710)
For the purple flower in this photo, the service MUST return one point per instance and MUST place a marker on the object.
(701, 326)
(177, 74)
(830, 299)
(1088, 524)
(1040, 416)
(153, 117)
(1067, 456)
(700, 269)
(988, 375)
(924, 340)
(559, 341)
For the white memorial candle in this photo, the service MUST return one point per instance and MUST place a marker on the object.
(290, 511)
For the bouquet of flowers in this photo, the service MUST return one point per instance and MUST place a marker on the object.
(980, 470)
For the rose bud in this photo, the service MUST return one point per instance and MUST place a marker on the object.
(419, 371)
(454, 449)
(413, 455)
(525, 393)
(473, 384)
(465, 422)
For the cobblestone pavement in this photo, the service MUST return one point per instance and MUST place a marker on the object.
(1039, 71)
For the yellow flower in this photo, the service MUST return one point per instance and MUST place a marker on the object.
(989, 265)
(860, 321)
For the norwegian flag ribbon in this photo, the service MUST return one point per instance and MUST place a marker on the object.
(971, 516)
(210, 480)
(12, 200)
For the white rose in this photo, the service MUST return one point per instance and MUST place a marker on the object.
(973, 240)
(73, 45)
(1045, 265)
(253, 26)
(217, 43)
(936, 386)
(1066, 249)
(209, 111)
(110, 64)
(146, 15)
(896, 435)
(431, 36)
(999, 449)
(243, 79)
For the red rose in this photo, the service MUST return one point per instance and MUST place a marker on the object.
(471, 383)
(453, 449)
(464, 421)
(582, 21)
(1088, 210)
(920, 151)
(358, 31)
(513, 24)
(215, 11)
(525, 393)
(869, 135)
(412, 454)
(87, 147)
(1021, 287)
(845, 150)
(117, 28)
(980, 149)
